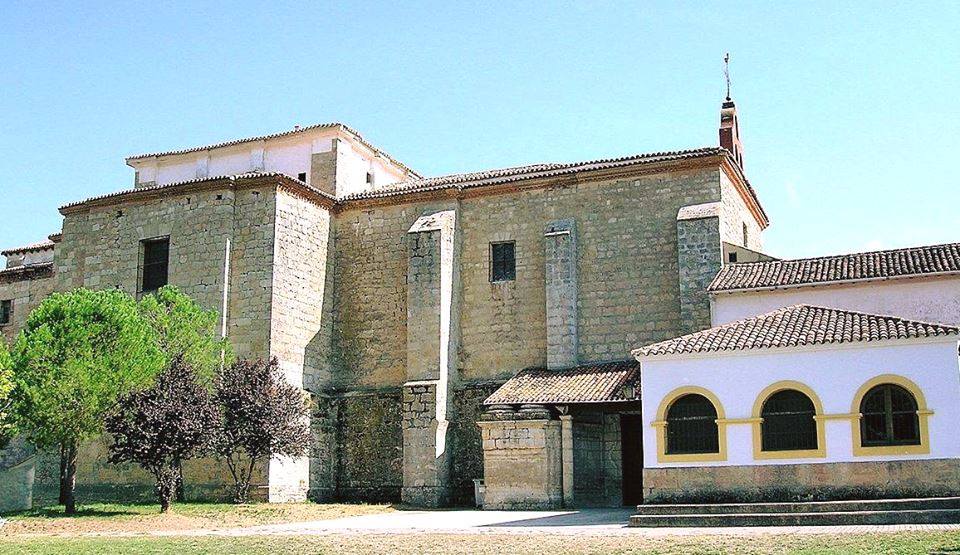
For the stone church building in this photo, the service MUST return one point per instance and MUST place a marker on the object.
(449, 328)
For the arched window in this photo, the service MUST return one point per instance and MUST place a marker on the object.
(889, 417)
(692, 426)
(788, 422)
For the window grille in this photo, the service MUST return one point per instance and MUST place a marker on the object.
(788, 422)
(6, 312)
(156, 258)
(692, 426)
(889, 417)
(503, 261)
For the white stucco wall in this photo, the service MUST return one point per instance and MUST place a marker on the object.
(835, 374)
(289, 155)
(926, 299)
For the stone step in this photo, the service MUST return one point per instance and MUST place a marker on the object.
(920, 503)
(847, 518)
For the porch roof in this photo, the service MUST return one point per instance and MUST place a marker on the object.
(589, 383)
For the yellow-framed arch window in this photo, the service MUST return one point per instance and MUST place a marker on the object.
(891, 418)
(691, 426)
(787, 422)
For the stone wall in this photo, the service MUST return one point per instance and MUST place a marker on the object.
(101, 249)
(464, 440)
(17, 471)
(699, 258)
(521, 464)
(357, 452)
(822, 481)
(25, 296)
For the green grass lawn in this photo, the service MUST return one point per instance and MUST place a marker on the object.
(134, 518)
(902, 542)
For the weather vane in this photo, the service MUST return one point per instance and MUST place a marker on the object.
(726, 72)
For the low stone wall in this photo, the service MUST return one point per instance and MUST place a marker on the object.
(521, 463)
(17, 468)
(822, 481)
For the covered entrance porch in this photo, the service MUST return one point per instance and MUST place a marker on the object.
(567, 438)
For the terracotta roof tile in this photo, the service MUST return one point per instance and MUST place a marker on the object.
(333, 125)
(26, 272)
(32, 247)
(796, 326)
(590, 383)
(896, 263)
(519, 173)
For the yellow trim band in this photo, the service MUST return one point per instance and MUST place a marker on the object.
(661, 425)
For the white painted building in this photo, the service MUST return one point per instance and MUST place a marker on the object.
(305, 153)
(919, 283)
(713, 429)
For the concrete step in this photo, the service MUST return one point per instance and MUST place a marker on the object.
(846, 518)
(913, 504)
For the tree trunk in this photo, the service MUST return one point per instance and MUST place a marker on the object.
(71, 477)
(180, 495)
(62, 499)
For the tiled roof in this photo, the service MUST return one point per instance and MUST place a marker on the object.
(506, 175)
(333, 125)
(229, 178)
(32, 247)
(896, 263)
(27, 271)
(796, 326)
(591, 383)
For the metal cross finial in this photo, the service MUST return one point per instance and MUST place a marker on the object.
(726, 72)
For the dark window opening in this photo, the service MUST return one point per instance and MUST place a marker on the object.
(692, 426)
(156, 258)
(369, 178)
(732, 257)
(503, 261)
(889, 417)
(6, 312)
(788, 422)
(302, 176)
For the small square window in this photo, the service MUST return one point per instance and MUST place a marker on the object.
(503, 261)
(6, 312)
(732, 257)
(154, 264)
(302, 176)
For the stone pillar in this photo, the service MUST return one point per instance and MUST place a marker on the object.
(432, 343)
(521, 459)
(699, 258)
(566, 447)
(560, 257)
(323, 165)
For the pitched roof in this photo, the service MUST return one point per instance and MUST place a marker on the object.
(204, 180)
(32, 247)
(590, 383)
(519, 173)
(796, 326)
(27, 271)
(887, 264)
(295, 131)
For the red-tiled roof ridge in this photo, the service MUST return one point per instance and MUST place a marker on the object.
(795, 326)
(331, 125)
(861, 266)
(32, 247)
(600, 382)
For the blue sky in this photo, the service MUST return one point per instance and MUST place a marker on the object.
(849, 115)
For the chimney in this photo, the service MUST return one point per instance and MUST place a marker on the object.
(730, 130)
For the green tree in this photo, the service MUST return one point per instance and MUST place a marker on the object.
(78, 353)
(6, 386)
(186, 331)
(189, 333)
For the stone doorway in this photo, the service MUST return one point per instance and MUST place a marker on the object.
(631, 438)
